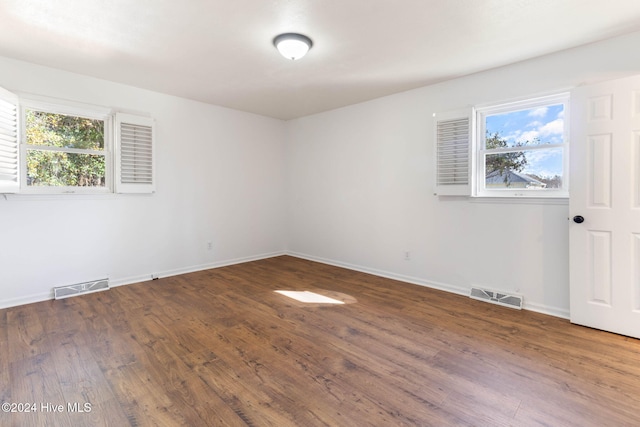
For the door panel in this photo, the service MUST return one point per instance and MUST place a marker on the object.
(600, 263)
(600, 170)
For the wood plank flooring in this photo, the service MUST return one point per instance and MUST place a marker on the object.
(220, 348)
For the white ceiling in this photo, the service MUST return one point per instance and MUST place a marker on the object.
(221, 52)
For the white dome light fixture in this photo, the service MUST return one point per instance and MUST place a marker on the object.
(292, 45)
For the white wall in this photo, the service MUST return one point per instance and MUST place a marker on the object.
(220, 178)
(361, 178)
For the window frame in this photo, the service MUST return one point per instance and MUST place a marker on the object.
(479, 151)
(55, 106)
(129, 147)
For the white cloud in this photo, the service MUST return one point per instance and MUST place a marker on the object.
(529, 135)
(555, 127)
(539, 112)
(549, 132)
(513, 136)
(544, 162)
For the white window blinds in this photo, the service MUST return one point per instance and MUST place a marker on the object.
(135, 169)
(9, 143)
(453, 143)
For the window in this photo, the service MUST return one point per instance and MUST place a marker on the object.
(49, 146)
(522, 148)
(64, 149)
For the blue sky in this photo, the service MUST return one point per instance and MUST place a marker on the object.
(543, 124)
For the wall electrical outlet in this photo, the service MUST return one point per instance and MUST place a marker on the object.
(407, 256)
(209, 245)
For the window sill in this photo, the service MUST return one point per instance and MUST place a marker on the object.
(37, 197)
(522, 200)
(55, 196)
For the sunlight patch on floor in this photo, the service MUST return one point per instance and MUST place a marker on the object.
(309, 297)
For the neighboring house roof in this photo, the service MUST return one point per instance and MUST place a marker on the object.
(513, 178)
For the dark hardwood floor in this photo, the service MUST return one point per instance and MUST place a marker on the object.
(219, 347)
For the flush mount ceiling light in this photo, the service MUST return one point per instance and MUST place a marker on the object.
(292, 45)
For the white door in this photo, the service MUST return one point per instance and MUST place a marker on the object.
(605, 192)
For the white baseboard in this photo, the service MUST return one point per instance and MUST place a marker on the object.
(45, 296)
(539, 308)
(387, 274)
(26, 299)
(193, 269)
(545, 309)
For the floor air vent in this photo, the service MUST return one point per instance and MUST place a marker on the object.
(507, 300)
(80, 288)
